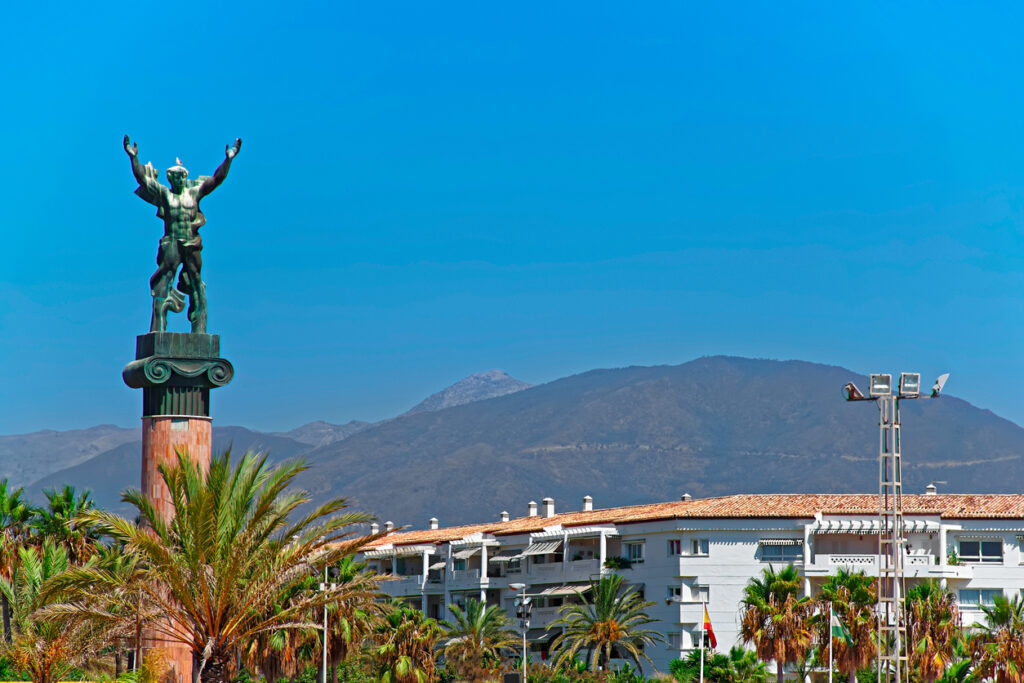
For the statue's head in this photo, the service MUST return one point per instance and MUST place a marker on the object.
(176, 175)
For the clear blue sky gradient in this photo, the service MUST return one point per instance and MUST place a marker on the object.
(427, 190)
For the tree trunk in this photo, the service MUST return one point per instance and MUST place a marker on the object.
(7, 619)
(215, 671)
(780, 672)
(117, 662)
(852, 678)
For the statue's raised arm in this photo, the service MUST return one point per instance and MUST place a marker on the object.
(210, 184)
(149, 187)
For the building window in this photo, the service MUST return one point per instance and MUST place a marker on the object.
(514, 566)
(458, 565)
(699, 546)
(675, 641)
(975, 597)
(674, 593)
(675, 546)
(982, 551)
(782, 554)
(700, 593)
(635, 552)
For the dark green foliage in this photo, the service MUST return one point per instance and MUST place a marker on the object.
(738, 666)
(9, 673)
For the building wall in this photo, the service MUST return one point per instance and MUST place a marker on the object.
(678, 584)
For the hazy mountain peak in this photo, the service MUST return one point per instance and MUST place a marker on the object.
(477, 387)
(320, 433)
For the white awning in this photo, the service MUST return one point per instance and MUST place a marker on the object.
(400, 551)
(781, 541)
(506, 555)
(569, 589)
(542, 548)
(437, 565)
(575, 532)
(869, 526)
(465, 554)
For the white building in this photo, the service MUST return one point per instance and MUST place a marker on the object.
(684, 553)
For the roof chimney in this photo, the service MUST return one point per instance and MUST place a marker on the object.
(588, 503)
(549, 507)
(433, 522)
(531, 509)
(686, 496)
(375, 528)
(389, 525)
(504, 515)
(931, 490)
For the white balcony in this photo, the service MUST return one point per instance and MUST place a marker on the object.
(403, 585)
(914, 566)
(464, 578)
(542, 616)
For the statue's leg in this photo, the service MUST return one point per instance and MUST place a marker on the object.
(167, 260)
(191, 266)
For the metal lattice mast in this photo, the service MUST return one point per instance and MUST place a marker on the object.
(891, 612)
(892, 634)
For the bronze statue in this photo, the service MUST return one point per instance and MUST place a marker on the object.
(181, 246)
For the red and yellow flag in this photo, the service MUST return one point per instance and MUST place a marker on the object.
(707, 627)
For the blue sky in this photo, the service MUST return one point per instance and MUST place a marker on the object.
(429, 190)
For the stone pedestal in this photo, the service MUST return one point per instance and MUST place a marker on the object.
(176, 372)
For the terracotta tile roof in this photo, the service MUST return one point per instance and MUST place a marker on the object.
(750, 506)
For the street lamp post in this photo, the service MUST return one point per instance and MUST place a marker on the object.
(523, 609)
(892, 626)
(323, 587)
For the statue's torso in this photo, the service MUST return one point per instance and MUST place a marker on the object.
(181, 212)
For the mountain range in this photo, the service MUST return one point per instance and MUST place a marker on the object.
(712, 426)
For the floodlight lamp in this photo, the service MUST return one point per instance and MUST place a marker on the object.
(517, 586)
(910, 384)
(939, 383)
(852, 393)
(880, 385)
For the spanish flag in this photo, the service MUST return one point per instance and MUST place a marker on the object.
(710, 631)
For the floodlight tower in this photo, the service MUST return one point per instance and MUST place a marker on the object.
(892, 624)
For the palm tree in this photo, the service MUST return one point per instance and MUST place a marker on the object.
(107, 593)
(612, 622)
(351, 618)
(216, 569)
(775, 619)
(852, 598)
(932, 629)
(15, 522)
(60, 519)
(44, 648)
(997, 647)
(477, 635)
(404, 645)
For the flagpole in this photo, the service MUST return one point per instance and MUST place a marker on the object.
(830, 642)
(703, 611)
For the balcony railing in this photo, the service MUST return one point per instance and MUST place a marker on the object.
(463, 577)
(404, 585)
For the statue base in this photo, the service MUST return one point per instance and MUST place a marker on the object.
(176, 371)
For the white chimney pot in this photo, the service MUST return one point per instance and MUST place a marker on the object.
(504, 515)
(433, 522)
(531, 509)
(549, 507)
(588, 503)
